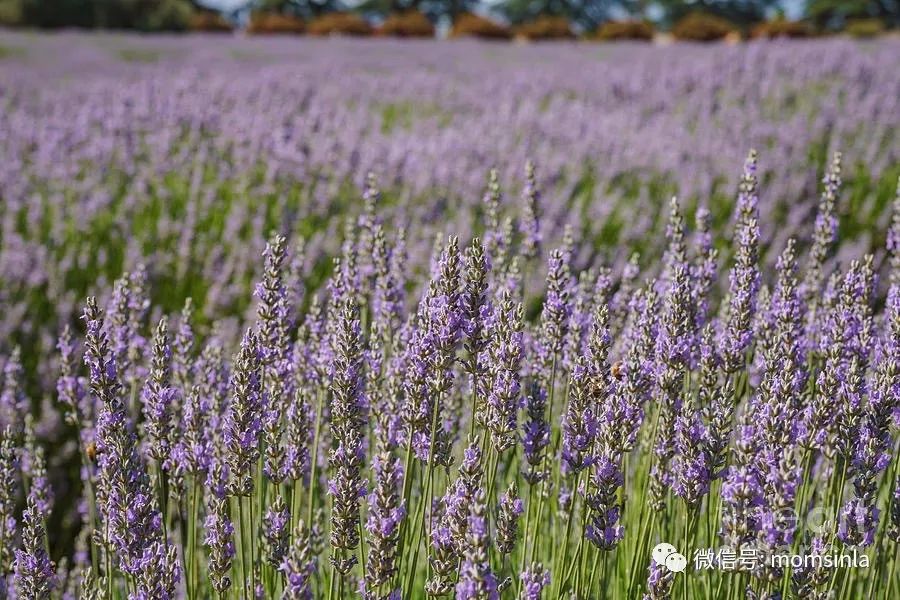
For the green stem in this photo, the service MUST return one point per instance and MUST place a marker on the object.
(525, 538)
(313, 482)
(192, 540)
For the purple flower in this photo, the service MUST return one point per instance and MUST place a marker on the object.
(158, 398)
(659, 582)
(13, 401)
(530, 224)
(536, 434)
(34, 573)
(579, 428)
(124, 498)
(346, 485)
(477, 580)
(744, 275)
(511, 508)
(603, 528)
(243, 421)
(534, 580)
(386, 513)
(824, 230)
(299, 565)
(505, 354)
(219, 539)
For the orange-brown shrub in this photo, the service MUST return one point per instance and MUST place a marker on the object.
(411, 23)
(265, 23)
(701, 27)
(624, 30)
(209, 22)
(546, 28)
(339, 23)
(468, 24)
(781, 28)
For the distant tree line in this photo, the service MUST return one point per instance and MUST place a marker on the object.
(174, 15)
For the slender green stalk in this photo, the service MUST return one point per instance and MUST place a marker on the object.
(314, 459)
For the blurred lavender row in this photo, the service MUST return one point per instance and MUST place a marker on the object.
(160, 147)
(335, 319)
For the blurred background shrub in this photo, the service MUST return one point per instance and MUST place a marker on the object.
(624, 30)
(209, 22)
(339, 23)
(411, 23)
(472, 25)
(865, 28)
(702, 27)
(546, 27)
(268, 23)
(781, 28)
(691, 20)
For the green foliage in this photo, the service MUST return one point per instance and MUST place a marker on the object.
(388, 7)
(586, 14)
(437, 9)
(736, 11)
(834, 15)
(145, 15)
(167, 15)
(865, 28)
(11, 52)
(10, 12)
(307, 9)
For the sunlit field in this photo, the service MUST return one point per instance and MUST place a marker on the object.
(330, 318)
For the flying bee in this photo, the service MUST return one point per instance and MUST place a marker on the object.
(91, 451)
(616, 369)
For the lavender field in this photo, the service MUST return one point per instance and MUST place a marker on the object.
(329, 318)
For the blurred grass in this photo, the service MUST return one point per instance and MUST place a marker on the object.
(139, 55)
(404, 114)
(10, 52)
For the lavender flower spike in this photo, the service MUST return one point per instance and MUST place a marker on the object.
(511, 509)
(477, 581)
(243, 422)
(124, 496)
(219, 540)
(386, 512)
(299, 565)
(744, 276)
(530, 225)
(34, 573)
(346, 485)
(534, 580)
(275, 531)
(8, 467)
(158, 397)
(825, 231)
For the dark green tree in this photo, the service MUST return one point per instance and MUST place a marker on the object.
(739, 12)
(307, 9)
(436, 9)
(586, 13)
(834, 14)
(385, 7)
(145, 15)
